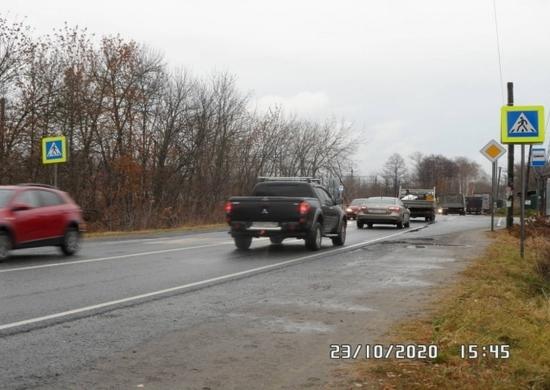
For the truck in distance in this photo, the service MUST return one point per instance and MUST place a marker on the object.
(420, 202)
(486, 202)
(478, 203)
(453, 204)
(284, 207)
(474, 204)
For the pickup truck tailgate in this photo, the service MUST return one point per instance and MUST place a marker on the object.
(268, 209)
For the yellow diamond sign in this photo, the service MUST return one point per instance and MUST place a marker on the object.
(493, 150)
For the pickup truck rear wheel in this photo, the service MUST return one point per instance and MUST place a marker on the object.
(243, 243)
(341, 239)
(360, 224)
(314, 237)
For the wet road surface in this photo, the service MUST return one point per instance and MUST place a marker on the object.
(60, 316)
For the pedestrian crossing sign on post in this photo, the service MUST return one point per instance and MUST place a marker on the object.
(522, 124)
(54, 150)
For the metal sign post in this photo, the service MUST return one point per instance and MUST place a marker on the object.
(538, 161)
(522, 125)
(493, 197)
(54, 151)
(493, 151)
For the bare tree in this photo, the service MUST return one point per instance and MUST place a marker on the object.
(148, 147)
(394, 172)
(467, 172)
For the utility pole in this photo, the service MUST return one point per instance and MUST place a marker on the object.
(541, 189)
(510, 200)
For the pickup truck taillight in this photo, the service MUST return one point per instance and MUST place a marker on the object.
(304, 208)
(228, 207)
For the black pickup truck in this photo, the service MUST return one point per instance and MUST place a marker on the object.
(280, 208)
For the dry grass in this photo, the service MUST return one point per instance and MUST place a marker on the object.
(501, 299)
(186, 228)
(542, 257)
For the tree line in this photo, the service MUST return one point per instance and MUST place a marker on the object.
(148, 146)
(448, 175)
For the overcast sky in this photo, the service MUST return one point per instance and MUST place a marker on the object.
(409, 75)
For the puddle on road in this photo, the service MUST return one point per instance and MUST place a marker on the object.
(285, 325)
(398, 281)
(430, 259)
(421, 244)
(289, 326)
(325, 306)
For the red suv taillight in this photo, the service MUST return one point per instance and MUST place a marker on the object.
(304, 208)
(228, 207)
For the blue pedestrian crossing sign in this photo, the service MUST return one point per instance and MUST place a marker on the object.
(54, 150)
(522, 125)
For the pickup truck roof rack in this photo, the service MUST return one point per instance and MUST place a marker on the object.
(296, 178)
(36, 185)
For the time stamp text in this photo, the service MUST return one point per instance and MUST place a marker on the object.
(415, 351)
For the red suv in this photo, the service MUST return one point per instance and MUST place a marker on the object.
(33, 215)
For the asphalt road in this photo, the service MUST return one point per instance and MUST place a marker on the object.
(58, 314)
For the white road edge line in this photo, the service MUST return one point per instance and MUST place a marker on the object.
(189, 285)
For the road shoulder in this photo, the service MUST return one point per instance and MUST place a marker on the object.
(491, 327)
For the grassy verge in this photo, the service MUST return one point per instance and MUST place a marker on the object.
(501, 299)
(503, 212)
(182, 229)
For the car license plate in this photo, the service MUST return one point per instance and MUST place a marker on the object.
(377, 211)
(265, 224)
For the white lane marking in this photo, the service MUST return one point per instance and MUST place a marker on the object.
(3, 271)
(190, 285)
(31, 267)
(130, 241)
(176, 241)
(157, 240)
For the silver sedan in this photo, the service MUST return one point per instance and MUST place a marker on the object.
(383, 210)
